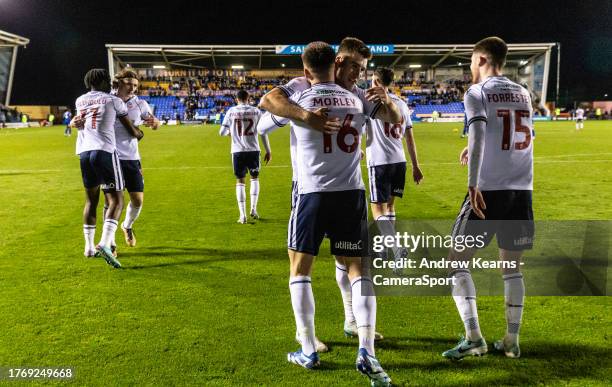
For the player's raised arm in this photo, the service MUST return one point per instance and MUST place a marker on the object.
(278, 103)
(386, 110)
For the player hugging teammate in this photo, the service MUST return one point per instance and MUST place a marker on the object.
(107, 144)
(500, 176)
(328, 114)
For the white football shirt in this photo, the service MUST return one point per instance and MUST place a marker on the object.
(100, 111)
(127, 145)
(299, 84)
(384, 140)
(240, 122)
(328, 163)
(505, 106)
(579, 114)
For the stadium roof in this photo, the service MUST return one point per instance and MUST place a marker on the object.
(8, 39)
(9, 43)
(276, 56)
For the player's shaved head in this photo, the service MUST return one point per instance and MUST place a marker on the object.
(385, 75)
(494, 48)
(318, 57)
(97, 79)
(242, 95)
(350, 45)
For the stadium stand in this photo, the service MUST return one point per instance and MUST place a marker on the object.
(204, 97)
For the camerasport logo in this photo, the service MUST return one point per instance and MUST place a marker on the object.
(345, 245)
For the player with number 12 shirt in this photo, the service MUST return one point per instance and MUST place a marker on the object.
(240, 123)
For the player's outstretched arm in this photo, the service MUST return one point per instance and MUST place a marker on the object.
(417, 174)
(388, 111)
(277, 103)
(134, 131)
(269, 123)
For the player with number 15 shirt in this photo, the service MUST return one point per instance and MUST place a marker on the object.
(507, 161)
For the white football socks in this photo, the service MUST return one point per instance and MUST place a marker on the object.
(108, 232)
(241, 198)
(345, 289)
(104, 211)
(89, 232)
(514, 292)
(464, 294)
(364, 308)
(303, 304)
(254, 194)
(131, 214)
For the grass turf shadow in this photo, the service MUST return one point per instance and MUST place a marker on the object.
(201, 255)
(540, 363)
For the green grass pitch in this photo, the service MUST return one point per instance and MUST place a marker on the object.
(203, 300)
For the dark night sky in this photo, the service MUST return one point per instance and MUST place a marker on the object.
(67, 37)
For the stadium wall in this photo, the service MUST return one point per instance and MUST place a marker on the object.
(605, 106)
(34, 112)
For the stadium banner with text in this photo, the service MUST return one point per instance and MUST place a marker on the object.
(560, 258)
(297, 49)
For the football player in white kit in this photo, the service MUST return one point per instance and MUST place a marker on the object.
(99, 160)
(240, 123)
(331, 201)
(139, 112)
(386, 159)
(579, 118)
(499, 199)
(350, 64)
